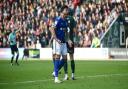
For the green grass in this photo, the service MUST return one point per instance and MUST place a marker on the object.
(89, 74)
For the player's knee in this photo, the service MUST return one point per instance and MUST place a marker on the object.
(71, 57)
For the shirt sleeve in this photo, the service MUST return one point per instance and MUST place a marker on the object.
(9, 38)
(57, 22)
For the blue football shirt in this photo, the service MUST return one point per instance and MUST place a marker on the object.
(61, 27)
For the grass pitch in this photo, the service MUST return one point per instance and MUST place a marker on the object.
(89, 74)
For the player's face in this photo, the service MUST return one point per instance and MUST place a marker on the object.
(12, 30)
(65, 13)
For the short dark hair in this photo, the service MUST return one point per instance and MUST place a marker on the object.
(64, 7)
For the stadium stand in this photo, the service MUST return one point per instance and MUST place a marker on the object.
(34, 16)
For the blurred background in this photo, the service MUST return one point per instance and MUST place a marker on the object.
(107, 18)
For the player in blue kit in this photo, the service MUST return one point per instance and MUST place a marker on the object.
(60, 36)
(70, 48)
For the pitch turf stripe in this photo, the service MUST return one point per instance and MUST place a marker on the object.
(81, 77)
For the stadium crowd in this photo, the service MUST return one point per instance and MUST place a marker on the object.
(34, 17)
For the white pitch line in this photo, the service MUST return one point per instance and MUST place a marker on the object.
(32, 81)
(3, 83)
(45, 80)
(107, 75)
(81, 77)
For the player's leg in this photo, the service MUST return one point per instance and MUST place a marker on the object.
(63, 52)
(65, 68)
(66, 65)
(56, 50)
(17, 56)
(27, 53)
(64, 60)
(53, 58)
(71, 55)
(12, 59)
(56, 68)
(13, 54)
(72, 65)
(23, 57)
(64, 55)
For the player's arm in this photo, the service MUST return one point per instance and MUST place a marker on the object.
(68, 37)
(18, 27)
(52, 30)
(52, 36)
(9, 38)
(74, 25)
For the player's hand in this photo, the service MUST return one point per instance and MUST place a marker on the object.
(49, 45)
(70, 43)
(58, 41)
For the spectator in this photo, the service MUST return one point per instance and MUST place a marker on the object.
(35, 15)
